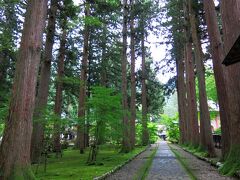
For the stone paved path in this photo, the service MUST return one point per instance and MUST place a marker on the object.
(129, 171)
(165, 166)
(201, 169)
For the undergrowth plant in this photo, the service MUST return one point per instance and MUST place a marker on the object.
(105, 119)
(172, 126)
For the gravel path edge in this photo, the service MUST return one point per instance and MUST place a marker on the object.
(104, 176)
(213, 163)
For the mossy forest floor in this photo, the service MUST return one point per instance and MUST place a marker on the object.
(73, 164)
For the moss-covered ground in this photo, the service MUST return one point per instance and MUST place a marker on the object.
(201, 153)
(197, 150)
(73, 164)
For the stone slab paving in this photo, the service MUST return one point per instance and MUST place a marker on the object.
(165, 166)
(129, 171)
(201, 169)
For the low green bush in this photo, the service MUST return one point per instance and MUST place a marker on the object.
(172, 127)
(152, 130)
(218, 131)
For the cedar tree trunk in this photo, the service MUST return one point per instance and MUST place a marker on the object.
(16, 143)
(181, 91)
(126, 141)
(219, 72)
(81, 109)
(191, 96)
(230, 10)
(145, 136)
(133, 79)
(104, 59)
(58, 97)
(43, 87)
(193, 129)
(206, 139)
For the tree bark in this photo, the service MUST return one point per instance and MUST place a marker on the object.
(43, 87)
(81, 109)
(104, 59)
(59, 90)
(181, 91)
(206, 139)
(145, 136)
(219, 72)
(87, 125)
(126, 141)
(230, 11)
(133, 79)
(191, 96)
(15, 147)
(192, 117)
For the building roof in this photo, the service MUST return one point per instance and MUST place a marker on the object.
(233, 55)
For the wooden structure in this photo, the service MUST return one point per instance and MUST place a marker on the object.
(233, 55)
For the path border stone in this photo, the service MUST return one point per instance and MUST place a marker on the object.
(104, 176)
(202, 169)
(211, 162)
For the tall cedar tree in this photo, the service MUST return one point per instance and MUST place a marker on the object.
(59, 90)
(230, 11)
(206, 139)
(133, 78)
(43, 86)
(191, 95)
(181, 91)
(16, 143)
(219, 72)
(82, 96)
(145, 136)
(126, 141)
(178, 55)
(192, 117)
(104, 57)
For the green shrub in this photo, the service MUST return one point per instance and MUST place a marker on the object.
(152, 130)
(172, 127)
(218, 131)
(138, 133)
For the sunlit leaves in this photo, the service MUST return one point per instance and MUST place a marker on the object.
(92, 21)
